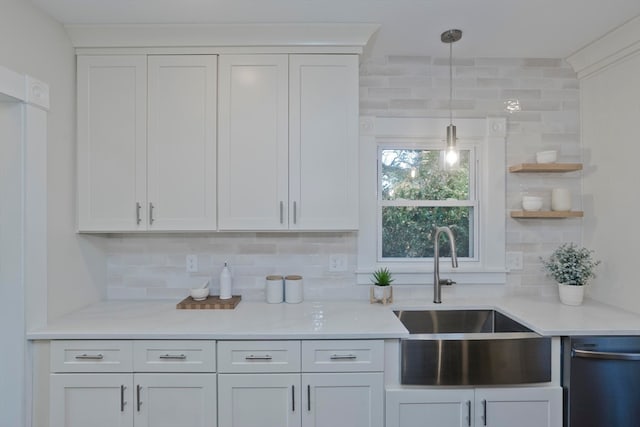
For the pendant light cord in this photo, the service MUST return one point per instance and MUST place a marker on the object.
(450, 83)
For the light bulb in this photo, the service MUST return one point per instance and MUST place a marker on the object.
(452, 156)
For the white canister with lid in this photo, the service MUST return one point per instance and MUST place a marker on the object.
(293, 289)
(274, 289)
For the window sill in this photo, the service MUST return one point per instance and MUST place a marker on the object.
(410, 275)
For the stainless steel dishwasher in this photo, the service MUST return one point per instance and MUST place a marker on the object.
(601, 381)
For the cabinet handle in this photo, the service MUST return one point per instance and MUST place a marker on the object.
(308, 398)
(86, 356)
(173, 356)
(122, 402)
(281, 212)
(484, 412)
(343, 357)
(295, 212)
(293, 398)
(252, 357)
(139, 402)
(138, 219)
(469, 413)
(150, 213)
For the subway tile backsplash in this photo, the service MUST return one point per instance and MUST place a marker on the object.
(154, 266)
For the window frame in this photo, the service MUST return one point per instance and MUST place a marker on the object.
(488, 137)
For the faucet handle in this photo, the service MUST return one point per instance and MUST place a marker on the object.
(446, 282)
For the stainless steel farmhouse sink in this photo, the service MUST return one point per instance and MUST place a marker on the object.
(471, 347)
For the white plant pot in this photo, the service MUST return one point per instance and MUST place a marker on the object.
(383, 294)
(571, 294)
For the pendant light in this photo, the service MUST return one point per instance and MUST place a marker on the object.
(450, 37)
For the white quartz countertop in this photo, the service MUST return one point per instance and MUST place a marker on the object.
(321, 319)
(249, 320)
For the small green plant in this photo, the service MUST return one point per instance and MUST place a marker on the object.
(382, 277)
(571, 265)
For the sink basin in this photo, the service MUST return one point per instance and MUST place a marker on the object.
(458, 322)
(471, 347)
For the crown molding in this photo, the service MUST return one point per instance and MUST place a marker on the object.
(349, 38)
(614, 46)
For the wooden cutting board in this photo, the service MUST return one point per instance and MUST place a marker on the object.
(212, 302)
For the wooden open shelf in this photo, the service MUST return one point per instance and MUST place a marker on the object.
(546, 167)
(547, 214)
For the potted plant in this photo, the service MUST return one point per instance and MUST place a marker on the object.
(382, 291)
(572, 267)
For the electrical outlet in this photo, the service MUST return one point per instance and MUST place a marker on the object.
(192, 263)
(337, 262)
(514, 261)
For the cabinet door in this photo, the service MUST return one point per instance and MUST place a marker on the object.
(343, 399)
(259, 400)
(323, 123)
(429, 408)
(96, 400)
(175, 400)
(253, 142)
(182, 142)
(524, 407)
(112, 137)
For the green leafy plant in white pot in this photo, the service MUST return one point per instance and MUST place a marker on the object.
(572, 267)
(381, 291)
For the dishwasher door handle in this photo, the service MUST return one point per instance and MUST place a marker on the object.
(604, 355)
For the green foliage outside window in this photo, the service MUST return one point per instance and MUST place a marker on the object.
(419, 175)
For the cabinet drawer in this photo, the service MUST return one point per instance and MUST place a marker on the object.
(91, 356)
(174, 356)
(258, 356)
(343, 356)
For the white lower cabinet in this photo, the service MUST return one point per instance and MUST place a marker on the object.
(343, 399)
(309, 400)
(140, 400)
(492, 407)
(341, 384)
(260, 400)
(133, 384)
(97, 400)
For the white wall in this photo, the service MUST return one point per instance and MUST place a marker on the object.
(12, 327)
(33, 43)
(611, 139)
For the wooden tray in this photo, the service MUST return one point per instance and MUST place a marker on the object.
(212, 302)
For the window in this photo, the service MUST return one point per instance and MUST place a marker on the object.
(417, 192)
(406, 191)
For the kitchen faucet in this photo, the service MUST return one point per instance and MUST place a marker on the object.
(437, 282)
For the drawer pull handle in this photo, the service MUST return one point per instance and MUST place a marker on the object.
(343, 357)
(252, 357)
(86, 356)
(173, 356)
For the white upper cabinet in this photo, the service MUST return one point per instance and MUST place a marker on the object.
(181, 150)
(146, 162)
(323, 142)
(253, 142)
(288, 135)
(112, 137)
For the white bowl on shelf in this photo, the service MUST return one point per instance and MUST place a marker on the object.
(531, 203)
(546, 156)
